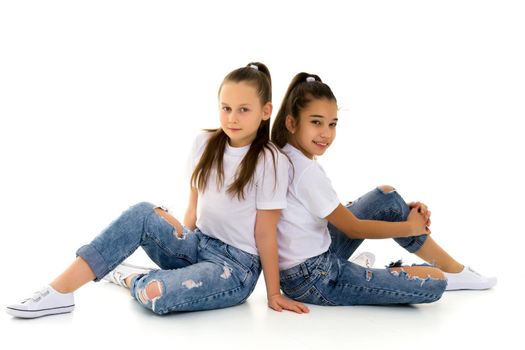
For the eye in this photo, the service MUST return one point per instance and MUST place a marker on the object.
(316, 122)
(244, 109)
(226, 109)
(333, 125)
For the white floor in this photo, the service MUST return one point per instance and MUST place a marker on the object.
(100, 100)
(107, 315)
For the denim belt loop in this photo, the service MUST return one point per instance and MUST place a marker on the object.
(304, 270)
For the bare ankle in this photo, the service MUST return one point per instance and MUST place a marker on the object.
(129, 279)
(455, 268)
(60, 288)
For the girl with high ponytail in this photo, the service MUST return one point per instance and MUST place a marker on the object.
(238, 188)
(317, 234)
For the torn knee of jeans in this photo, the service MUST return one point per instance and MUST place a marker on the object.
(178, 230)
(151, 293)
(401, 272)
(387, 189)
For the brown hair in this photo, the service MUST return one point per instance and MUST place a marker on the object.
(302, 90)
(257, 74)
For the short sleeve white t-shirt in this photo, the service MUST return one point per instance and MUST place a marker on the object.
(302, 231)
(222, 215)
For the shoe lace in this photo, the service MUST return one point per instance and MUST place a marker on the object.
(473, 271)
(37, 295)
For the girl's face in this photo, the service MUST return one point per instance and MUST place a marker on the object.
(241, 112)
(315, 131)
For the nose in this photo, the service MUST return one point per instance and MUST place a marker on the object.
(326, 133)
(232, 117)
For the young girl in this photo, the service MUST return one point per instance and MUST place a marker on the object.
(317, 234)
(238, 187)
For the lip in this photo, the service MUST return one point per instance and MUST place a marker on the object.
(322, 145)
(233, 129)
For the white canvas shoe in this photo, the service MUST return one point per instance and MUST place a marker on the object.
(46, 301)
(123, 271)
(365, 259)
(469, 279)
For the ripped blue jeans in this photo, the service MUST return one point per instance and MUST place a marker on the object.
(330, 279)
(197, 272)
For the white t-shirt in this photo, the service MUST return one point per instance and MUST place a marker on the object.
(222, 215)
(302, 231)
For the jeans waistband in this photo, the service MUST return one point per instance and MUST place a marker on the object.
(306, 268)
(249, 260)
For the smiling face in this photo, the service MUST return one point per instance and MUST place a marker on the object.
(241, 112)
(316, 128)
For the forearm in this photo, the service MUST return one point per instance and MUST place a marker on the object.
(353, 227)
(375, 229)
(190, 218)
(267, 246)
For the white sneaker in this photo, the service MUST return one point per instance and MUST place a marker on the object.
(123, 271)
(469, 279)
(365, 259)
(45, 302)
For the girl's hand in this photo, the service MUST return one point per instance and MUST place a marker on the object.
(423, 209)
(279, 302)
(418, 223)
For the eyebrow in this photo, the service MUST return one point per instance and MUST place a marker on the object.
(320, 116)
(242, 104)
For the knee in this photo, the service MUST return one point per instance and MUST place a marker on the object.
(142, 207)
(150, 294)
(153, 290)
(386, 188)
(171, 220)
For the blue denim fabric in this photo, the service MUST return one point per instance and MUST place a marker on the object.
(375, 205)
(330, 279)
(197, 272)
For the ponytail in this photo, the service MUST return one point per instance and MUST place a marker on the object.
(257, 74)
(302, 90)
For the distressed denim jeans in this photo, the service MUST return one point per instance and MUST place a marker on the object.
(330, 279)
(197, 272)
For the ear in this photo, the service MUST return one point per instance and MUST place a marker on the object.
(290, 123)
(267, 110)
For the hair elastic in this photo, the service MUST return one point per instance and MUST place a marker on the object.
(253, 66)
(310, 79)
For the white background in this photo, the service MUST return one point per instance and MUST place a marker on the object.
(100, 99)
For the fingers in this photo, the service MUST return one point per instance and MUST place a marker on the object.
(304, 308)
(276, 307)
(299, 308)
(290, 305)
(421, 208)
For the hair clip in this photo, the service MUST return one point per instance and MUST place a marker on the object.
(310, 79)
(253, 66)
